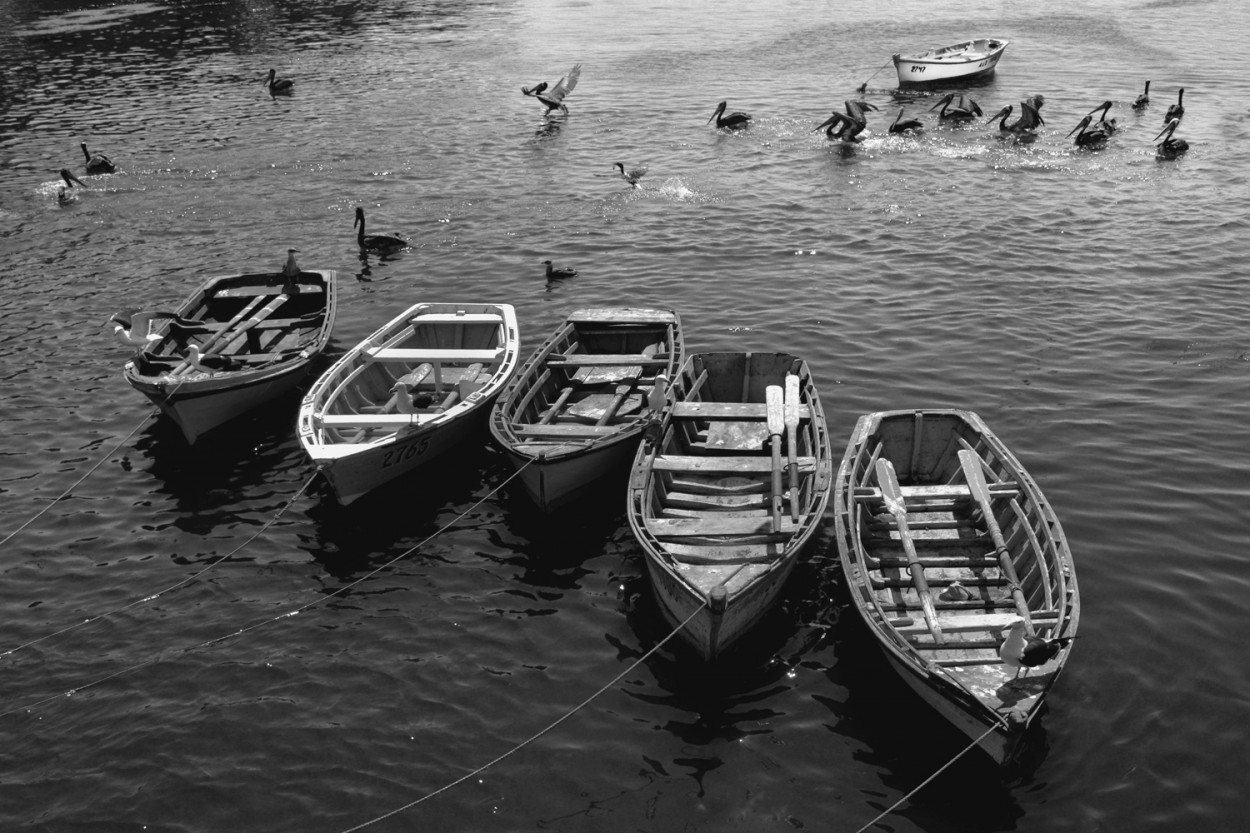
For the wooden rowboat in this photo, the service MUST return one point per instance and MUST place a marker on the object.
(414, 390)
(945, 540)
(238, 342)
(958, 62)
(733, 484)
(575, 411)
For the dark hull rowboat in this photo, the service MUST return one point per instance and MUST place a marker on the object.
(258, 336)
(963, 61)
(945, 540)
(728, 490)
(575, 411)
(362, 430)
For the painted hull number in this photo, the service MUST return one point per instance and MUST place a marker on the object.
(395, 456)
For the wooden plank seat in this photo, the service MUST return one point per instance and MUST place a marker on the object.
(1007, 488)
(719, 502)
(717, 526)
(608, 360)
(724, 465)
(427, 354)
(906, 583)
(728, 411)
(971, 622)
(563, 430)
(275, 289)
(457, 318)
(391, 421)
(725, 553)
(987, 563)
(265, 324)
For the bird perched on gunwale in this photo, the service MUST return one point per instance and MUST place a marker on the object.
(1022, 652)
(733, 121)
(279, 86)
(657, 397)
(97, 163)
(558, 274)
(376, 242)
(65, 194)
(632, 175)
(1142, 100)
(553, 98)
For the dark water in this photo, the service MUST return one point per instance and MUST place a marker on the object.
(1090, 306)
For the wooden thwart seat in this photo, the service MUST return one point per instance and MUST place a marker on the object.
(563, 430)
(972, 622)
(728, 411)
(725, 465)
(458, 318)
(276, 289)
(682, 527)
(426, 354)
(608, 360)
(940, 492)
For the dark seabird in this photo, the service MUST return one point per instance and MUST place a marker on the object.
(958, 107)
(1170, 147)
(1021, 652)
(376, 242)
(1108, 125)
(733, 121)
(1177, 110)
(97, 163)
(1143, 99)
(279, 86)
(1088, 137)
(553, 98)
(900, 126)
(557, 274)
(847, 126)
(65, 194)
(631, 176)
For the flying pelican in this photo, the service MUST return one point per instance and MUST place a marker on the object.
(557, 274)
(554, 98)
(376, 242)
(97, 163)
(65, 194)
(1022, 652)
(1170, 148)
(900, 126)
(631, 176)
(1143, 99)
(1087, 137)
(279, 86)
(734, 121)
(957, 106)
(657, 398)
(1177, 110)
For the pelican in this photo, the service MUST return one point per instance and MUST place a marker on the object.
(1143, 99)
(734, 121)
(65, 194)
(1087, 136)
(1177, 110)
(847, 126)
(957, 106)
(554, 98)
(1170, 147)
(1017, 126)
(657, 398)
(631, 176)
(557, 274)
(376, 242)
(1109, 125)
(900, 126)
(1031, 112)
(279, 86)
(1021, 652)
(97, 163)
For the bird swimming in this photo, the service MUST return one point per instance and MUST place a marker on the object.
(279, 86)
(1142, 100)
(1109, 125)
(900, 126)
(631, 176)
(847, 126)
(97, 163)
(554, 98)
(65, 194)
(1170, 147)
(957, 106)
(1022, 652)
(376, 242)
(1177, 110)
(733, 121)
(1088, 137)
(558, 274)
(1020, 125)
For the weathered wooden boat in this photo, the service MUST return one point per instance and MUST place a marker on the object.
(727, 489)
(958, 62)
(416, 389)
(238, 342)
(575, 411)
(945, 540)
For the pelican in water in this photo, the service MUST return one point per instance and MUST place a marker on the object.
(376, 242)
(900, 126)
(1090, 137)
(847, 126)
(657, 398)
(97, 163)
(957, 107)
(66, 194)
(1109, 125)
(631, 176)
(1020, 126)
(554, 274)
(733, 121)
(1170, 147)
(1023, 652)
(1143, 99)
(553, 98)
(1177, 110)
(279, 86)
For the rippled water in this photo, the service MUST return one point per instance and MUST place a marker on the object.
(1090, 306)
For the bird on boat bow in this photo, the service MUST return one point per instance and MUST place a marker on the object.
(133, 327)
(97, 163)
(279, 86)
(957, 107)
(1170, 147)
(1090, 137)
(207, 363)
(376, 242)
(1143, 99)
(66, 194)
(554, 274)
(657, 398)
(1022, 651)
(1177, 110)
(733, 121)
(900, 126)
(632, 175)
(553, 98)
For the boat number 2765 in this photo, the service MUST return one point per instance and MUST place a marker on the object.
(398, 455)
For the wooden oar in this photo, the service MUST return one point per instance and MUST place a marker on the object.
(554, 410)
(776, 425)
(980, 490)
(894, 504)
(622, 391)
(247, 310)
(792, 440)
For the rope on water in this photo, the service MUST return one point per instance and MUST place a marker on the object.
(518, 747)
(257, 625)
(926, 781)
(864, 86)
(153, 596)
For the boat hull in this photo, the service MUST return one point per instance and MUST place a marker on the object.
(960, 62)
(554, 483)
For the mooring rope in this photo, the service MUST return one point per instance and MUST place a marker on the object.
(926, 781)
(519, 746)
(153, 596)
(864, 87)
(257, 625)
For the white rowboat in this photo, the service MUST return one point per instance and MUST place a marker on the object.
(957, 62)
